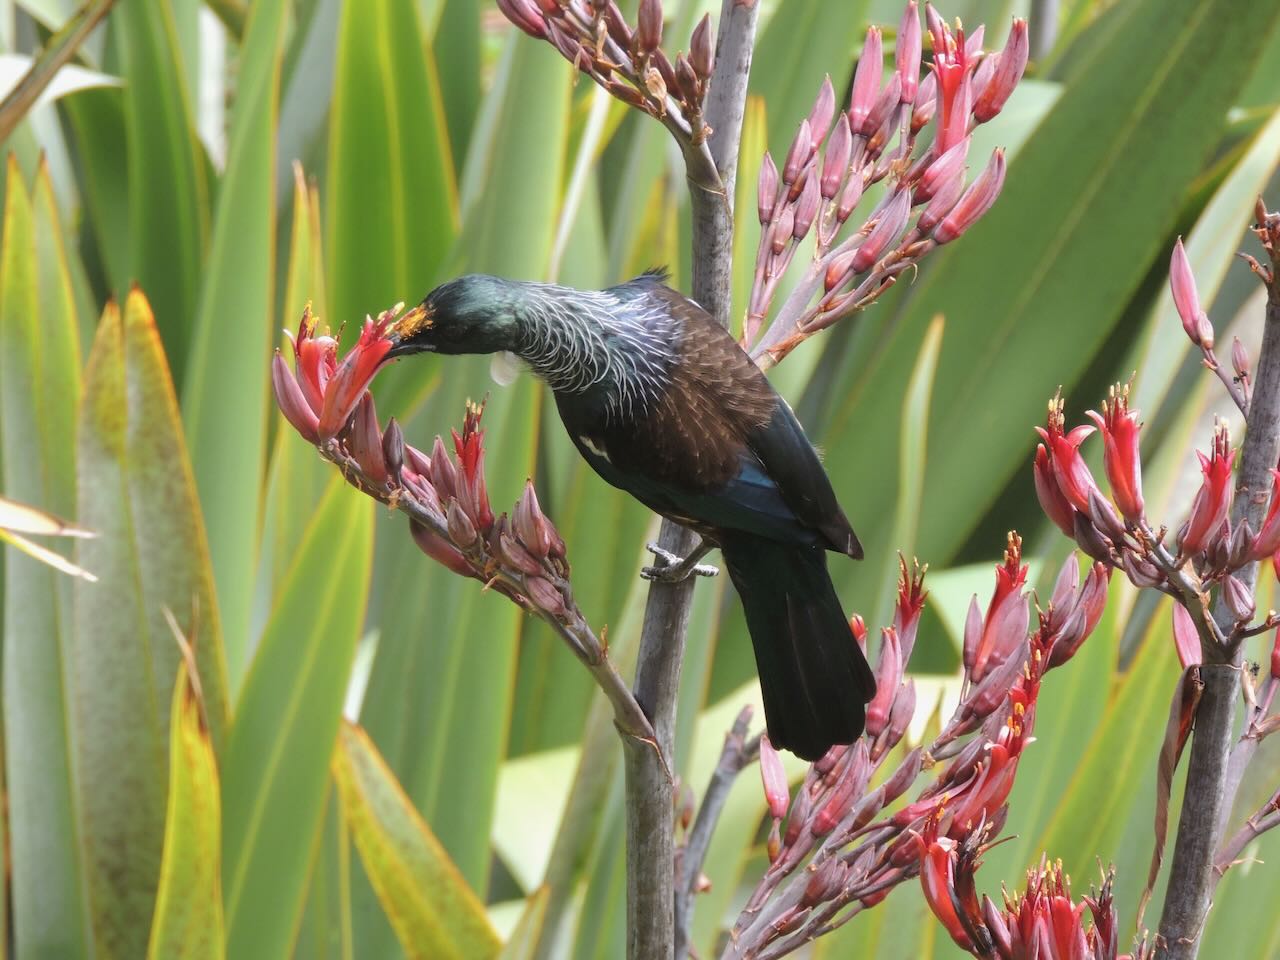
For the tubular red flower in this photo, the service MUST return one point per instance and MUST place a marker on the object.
(469, 446)
(1069, 469)
(953, 65)
(353, 376)
(1005, 625)
(911, 598)
(292, 403)
(1120, 426)
(937, 879)
(1213, 500)
(1009, 66)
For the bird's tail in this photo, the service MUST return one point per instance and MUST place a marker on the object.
(815, 680)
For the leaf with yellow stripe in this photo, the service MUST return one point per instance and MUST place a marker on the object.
(433, 911)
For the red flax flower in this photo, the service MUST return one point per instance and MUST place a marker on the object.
(1213, 500)
(988, 641)
(1043, 922)
(1070, 472)
(1120, 426)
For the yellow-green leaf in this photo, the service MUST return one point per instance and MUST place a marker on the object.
(188, 921)
(433, 911)
(137, 493)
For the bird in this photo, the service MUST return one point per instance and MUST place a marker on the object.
(663, 403)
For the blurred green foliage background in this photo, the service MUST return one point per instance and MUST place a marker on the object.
(229, 162)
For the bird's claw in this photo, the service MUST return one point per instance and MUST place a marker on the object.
(670, 568)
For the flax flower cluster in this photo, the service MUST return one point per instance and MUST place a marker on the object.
(839, 845)
(444, 493)
(837, 156)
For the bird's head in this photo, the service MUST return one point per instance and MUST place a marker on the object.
(472, 314)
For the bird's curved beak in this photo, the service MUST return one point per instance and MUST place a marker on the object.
(407, 326)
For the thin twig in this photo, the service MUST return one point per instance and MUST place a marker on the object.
(650, 817)
(738, 752)
(1268, 818)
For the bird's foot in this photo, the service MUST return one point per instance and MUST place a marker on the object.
(670, 568)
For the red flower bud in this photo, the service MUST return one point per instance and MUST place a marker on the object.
(1239, 359)
(1238, 598)
(783, 230)
(926, 103)
(530, 524)
(977, 200)
(543, 594)
(440, 550)
(888, 680)
(866, 83)
(1010, 64)
(365, 442)
(806, 207)
(850, 196)
(461, 530)
(1267, 541)
(1275, 656)
(393, 449)
(1185, 297)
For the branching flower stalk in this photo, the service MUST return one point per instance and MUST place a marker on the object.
(830, 166)
(1209, 568)
(845, 846)
(445, 497)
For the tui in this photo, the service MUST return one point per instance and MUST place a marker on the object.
(664, 404)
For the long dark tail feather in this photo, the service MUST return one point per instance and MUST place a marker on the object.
(815, 680)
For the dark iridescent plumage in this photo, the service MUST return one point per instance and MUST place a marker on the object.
(664, 404)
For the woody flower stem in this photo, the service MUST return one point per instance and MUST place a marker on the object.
(1209, 790)
(649, 789)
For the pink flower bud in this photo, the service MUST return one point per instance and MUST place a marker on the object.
(838, 270)
(941, 170)
(1185, 637)
(1084, 618)
(977, 200)
(836, 162)
(972, 634)
(888, 680)
(882, 113)
(1238, 598)
(866, 83)
(524, 14)
(1239, 359)
(649, 26)
(904, 708)
(824, 108)
(701, 54)
(461, 530)
(543, 594)
(799, 154)
(1275, 656)
(1010, 64)
(443, 474)
(292, 403)
(783, 230)
(1185, 297)
(766, 189)
(946, 196)
(926, 103)
(439, 549)
(806, 207)
(530, 524)
(774, 778)
(393, 449)
(365, 442)
(850, 196)
(906, 54)
(889, 225)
